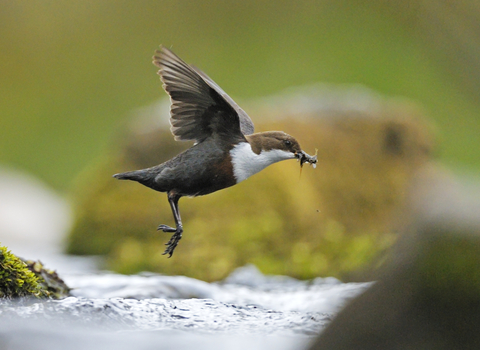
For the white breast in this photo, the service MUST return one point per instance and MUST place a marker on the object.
(246, 162)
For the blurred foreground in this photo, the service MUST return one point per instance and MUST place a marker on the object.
(428, 295)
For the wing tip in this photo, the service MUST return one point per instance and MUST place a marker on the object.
(161, 54)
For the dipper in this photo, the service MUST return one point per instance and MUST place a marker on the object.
(225, 152)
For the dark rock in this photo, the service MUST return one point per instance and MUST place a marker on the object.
(429, 296)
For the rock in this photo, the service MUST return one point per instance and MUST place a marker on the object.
(48, 280)
(33, 217)
(429, 296)
(333, 220)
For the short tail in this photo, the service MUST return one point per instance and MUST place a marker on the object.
(137, 175)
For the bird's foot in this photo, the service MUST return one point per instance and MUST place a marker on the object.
(166, 228)
(173, 242)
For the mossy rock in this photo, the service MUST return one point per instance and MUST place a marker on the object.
(28, 279)
(331, 220)
(48, 280)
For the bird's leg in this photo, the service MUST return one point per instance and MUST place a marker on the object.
(174, 205)
(172, 243)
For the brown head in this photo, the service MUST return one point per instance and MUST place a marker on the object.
(274, 140)
(278, 140)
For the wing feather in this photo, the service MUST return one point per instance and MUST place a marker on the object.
(199, 106)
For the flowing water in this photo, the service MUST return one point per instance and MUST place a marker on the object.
(150, 311)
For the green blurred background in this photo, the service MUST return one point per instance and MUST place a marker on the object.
(71, 71)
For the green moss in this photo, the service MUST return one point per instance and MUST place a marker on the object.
(16, 280)
(19, 278)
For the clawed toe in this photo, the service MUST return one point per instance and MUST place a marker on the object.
(172, 243)
(166, 228)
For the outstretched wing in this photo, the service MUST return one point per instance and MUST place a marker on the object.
(246, 124)
(199, 107)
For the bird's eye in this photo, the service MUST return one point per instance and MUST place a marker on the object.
(287, 142)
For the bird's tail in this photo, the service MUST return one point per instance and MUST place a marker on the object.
(136, 175)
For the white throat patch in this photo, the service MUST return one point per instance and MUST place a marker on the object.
(246, 162)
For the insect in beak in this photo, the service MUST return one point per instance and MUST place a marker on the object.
(305, 158)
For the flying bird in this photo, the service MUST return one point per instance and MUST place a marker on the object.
(226, 150)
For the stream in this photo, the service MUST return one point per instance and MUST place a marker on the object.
(149, 311)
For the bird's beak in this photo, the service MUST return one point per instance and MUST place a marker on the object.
(305, 158)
